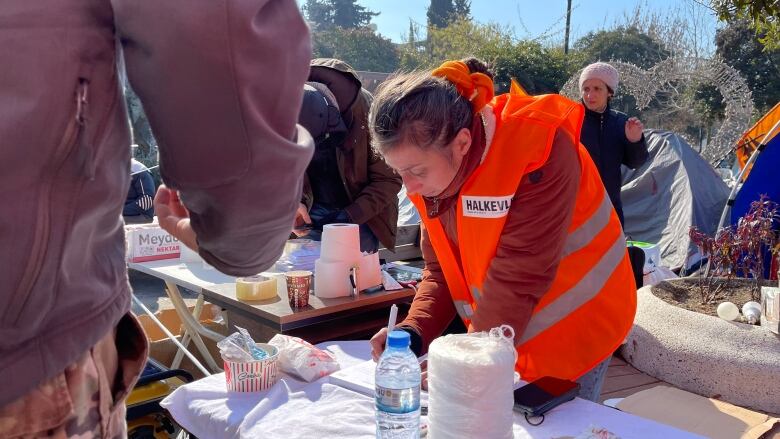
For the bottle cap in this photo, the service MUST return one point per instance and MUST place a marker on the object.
(398, 339)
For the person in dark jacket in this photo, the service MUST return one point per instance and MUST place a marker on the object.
(346, 181)
(139, 204)
(611, 137)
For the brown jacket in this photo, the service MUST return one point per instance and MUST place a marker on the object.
(224, 116)
(371, 185)
(528, 251)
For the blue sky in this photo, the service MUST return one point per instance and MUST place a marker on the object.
(529, 18)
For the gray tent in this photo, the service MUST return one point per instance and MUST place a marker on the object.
(674, 190)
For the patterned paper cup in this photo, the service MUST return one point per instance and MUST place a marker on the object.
(253, 376)
(298, 286)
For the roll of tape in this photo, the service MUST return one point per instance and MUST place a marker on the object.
(255, 288)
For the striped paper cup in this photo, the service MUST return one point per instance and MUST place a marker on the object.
(253, 376)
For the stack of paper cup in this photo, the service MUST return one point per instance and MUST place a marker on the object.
(339, 254)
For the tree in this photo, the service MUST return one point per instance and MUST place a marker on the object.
(412, 36)
(539, 69)
(347, 14)
(441, 13)
(621, 44)
(413, 53)
(740, 48)
(319, 13)
(362, 48)
(462, 8)
(683, 31)
(763, 16)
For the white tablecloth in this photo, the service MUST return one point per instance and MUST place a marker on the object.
(293, 409)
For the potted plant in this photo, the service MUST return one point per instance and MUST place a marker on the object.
(678, 338)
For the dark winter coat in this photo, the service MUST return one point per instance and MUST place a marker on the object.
(604, 136)
(372, 186)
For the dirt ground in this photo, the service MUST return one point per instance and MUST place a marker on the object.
(685, 293)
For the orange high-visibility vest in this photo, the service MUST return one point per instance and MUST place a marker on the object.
(589, 308)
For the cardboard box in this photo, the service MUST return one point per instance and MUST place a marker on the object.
(172, 322)
(162, 349)
(704, 416)
(148, 242)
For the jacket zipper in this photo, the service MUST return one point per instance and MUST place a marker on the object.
(601, 130)
(435, 210)
(42, 226)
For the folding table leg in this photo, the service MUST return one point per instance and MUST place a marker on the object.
(192, 326)
(186, 338)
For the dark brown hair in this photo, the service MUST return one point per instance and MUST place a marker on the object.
(419, 108)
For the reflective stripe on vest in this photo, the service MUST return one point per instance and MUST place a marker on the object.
(586, 289)
(589, 308)
(585, 232)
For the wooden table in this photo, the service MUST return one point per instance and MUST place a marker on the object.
(322, 319)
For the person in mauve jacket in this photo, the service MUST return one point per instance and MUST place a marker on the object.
(222, 86)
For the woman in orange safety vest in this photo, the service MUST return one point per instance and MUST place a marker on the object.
(517, 227)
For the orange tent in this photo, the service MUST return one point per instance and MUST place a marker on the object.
(755, 135)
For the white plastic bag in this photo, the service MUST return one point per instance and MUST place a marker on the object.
(657, 275)
(300, 358)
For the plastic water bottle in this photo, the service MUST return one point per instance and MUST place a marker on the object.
(398, 390)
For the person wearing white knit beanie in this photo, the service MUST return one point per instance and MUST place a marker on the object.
(611, 137)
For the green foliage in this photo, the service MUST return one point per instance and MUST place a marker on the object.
(763, 15)
(626, 44)
(462, 8)
(319, 13)
(707, 102)
(441, 13)
(740, 48)
(328, 14)
(362, 48)
(539, 69)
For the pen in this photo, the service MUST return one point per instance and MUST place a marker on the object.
(393, 316)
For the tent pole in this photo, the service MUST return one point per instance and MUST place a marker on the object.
(732, 196)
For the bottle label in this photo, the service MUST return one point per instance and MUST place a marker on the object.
(398, 400)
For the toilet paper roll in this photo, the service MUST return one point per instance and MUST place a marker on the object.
(341, 242)
(369, 273)
(255, 288)
(331, 279)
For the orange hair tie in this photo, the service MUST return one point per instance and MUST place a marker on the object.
(476, 87)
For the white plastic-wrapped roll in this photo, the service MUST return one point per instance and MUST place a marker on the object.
(470, 385)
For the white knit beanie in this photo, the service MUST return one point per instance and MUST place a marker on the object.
(603, 71)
